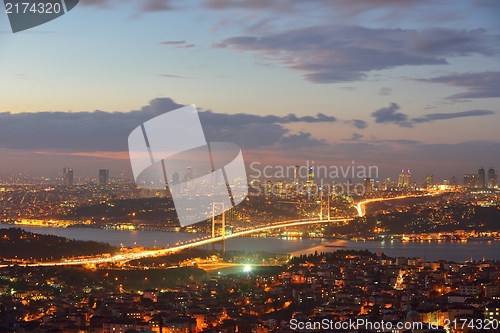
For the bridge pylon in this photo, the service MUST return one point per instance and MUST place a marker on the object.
(323, 208)
(223, 225)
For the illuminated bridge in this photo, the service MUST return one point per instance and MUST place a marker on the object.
(121, 258)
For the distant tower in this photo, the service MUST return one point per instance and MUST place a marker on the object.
(68, 176)
(310, 176)
(175, 179)
(429, 181)
(269, 187)
(468, 180)
(296, 175)
(368, 185)
(492, 178)
(401, 179)
(388, 184)
(453, 181)
(407, 179)
(474, 180)
(189, 176)
(481, 177)
(103, 176)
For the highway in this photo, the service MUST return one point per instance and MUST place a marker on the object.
(360, 205)
(121, 258)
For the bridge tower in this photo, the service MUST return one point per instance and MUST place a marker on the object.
(222, 221)
(324, 206)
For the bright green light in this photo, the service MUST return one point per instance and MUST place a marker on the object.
(247, 269)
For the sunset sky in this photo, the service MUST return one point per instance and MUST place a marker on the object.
(392, 83)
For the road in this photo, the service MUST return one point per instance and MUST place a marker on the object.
(360, 205)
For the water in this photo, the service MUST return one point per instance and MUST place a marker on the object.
(453, 251)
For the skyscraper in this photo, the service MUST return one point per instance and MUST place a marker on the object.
(407, 179)
(429, 181)
(473, 180)
(492, 178)
(468, 180)
(368, 185)
(189, 174)
(296, 175)
(103, 176)
(481, 178)
(68, 176)
(388, 184)
(310, 176)
(453, 181)
(401, 179)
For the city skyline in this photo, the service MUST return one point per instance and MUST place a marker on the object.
(295, 177)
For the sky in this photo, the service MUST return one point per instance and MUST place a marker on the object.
(395, 84)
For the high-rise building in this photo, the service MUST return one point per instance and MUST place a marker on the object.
(279, 187)
(269, 187)
(188, 178)
(492, 178)
(68, 176)
(368, 185)
(468, 180)
(429, 181)
(296, 175)
(310, 176)
(453, 181)
(481, 178)
(401, 179)
(404, 180)
(407, 179)
(103, 176)
(388, 184)
(473, 180)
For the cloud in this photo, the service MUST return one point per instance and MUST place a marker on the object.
(210, 118)
(174, 76)
(356, 137)
(108, 131)
(331, 54)
(389, 115)
(156, 5)
(400, 142)
(177, 44)
(144, 6)
(443, 116)
(301, 140)
(478, 84)
(358, 123)
(385, 91)
(345, 6)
